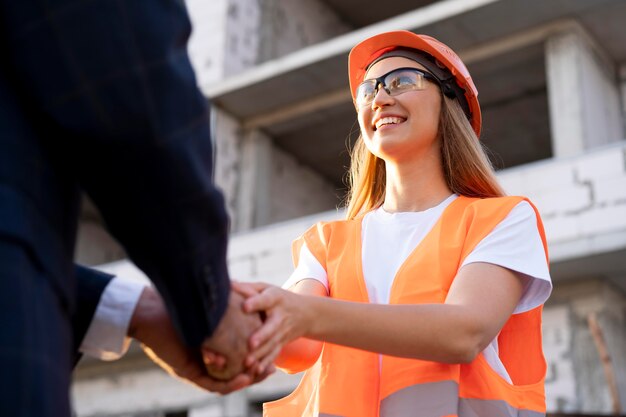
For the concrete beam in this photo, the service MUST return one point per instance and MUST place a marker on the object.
(342, 44)
(301, 108)
(476, 54)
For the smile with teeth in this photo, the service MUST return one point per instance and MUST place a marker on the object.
(388, 121)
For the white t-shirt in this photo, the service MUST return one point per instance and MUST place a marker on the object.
(387, 239)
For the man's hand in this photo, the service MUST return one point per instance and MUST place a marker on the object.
(230, 339)
(151, 325)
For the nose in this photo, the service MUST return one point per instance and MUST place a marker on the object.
(382, 98)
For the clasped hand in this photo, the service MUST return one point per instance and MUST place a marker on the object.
(241, 361)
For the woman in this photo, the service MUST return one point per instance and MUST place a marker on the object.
(426, 300)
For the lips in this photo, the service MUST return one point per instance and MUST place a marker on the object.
(387, 120)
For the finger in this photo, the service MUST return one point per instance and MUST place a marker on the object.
(220, 361)
(256, 287)
(271, 327)
(261, 376)
(260, 302)
(213, 359)
(268, 361)
(259, 286)
(244, 289)
(210, 384)
(250, 361)
(268, 347)
(253, 370)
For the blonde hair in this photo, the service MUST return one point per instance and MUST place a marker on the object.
(467, 170)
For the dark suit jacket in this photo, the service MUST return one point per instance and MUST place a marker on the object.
(100, 96)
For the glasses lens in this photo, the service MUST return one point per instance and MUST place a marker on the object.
(404, 80)
(365, 93)
(396, 82)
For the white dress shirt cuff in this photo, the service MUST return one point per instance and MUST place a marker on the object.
(106, 337)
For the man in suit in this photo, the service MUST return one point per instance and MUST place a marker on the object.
(99, 96)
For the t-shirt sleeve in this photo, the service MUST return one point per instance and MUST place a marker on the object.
(308, 268)
(515, 244)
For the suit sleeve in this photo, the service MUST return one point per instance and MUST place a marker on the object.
(126, 119)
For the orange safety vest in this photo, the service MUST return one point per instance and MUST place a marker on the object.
(347, 382)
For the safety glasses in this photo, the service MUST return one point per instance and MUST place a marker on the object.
(395, 82)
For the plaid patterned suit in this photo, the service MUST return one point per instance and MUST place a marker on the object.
(98, 95)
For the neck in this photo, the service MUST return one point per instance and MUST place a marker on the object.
(415, 186)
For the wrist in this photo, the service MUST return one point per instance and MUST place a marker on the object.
(148, 307)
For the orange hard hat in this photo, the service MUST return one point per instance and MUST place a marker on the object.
(458, 82)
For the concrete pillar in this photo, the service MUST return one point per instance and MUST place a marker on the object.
(622, 81)
(583, 93)
(226, 134)
(254, 183)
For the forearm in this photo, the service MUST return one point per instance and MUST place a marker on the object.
(411, 331)
(479, 302)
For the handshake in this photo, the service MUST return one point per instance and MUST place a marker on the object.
(242, 349)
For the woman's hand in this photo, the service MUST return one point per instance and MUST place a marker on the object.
(216, 363)
(286, 319)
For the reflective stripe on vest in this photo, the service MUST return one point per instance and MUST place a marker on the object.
(440, 399)
(473, 407)
(432, 399)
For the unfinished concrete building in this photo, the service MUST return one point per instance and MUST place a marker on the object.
(552, 83)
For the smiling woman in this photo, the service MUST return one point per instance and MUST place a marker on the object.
(426, 301)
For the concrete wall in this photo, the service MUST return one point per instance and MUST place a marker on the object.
(95, 246)
(582, 200)
(297, 190)
(576, 381)
(208, 39)
(242, 35)
(262, 30)
(288, 25)
(273, 186)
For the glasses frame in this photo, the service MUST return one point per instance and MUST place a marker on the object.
(380, 81)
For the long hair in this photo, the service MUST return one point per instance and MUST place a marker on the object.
(467, 170)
